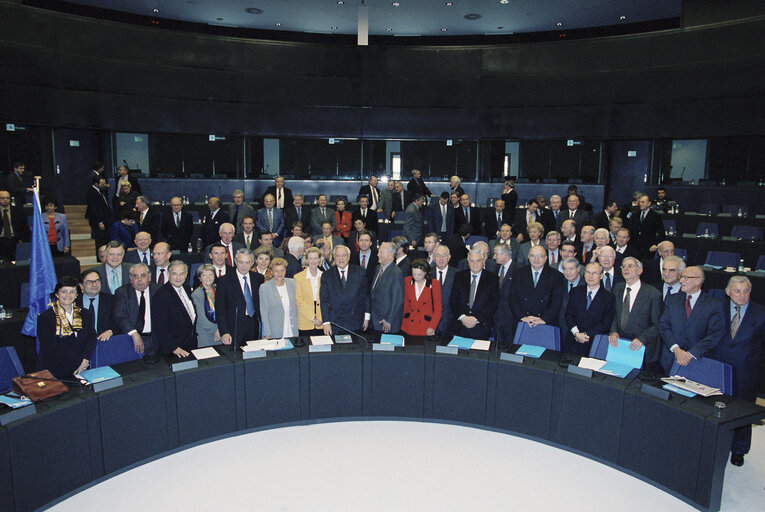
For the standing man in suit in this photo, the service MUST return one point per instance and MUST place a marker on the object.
(114, 273)
(237, 301)
(386, 200)
(439, 216)
(458, 243)
(503, 319)
(177, 226)
(552, 245)
(142, 252)
(148, 218)
(387, 293)
(671, 270)
(554, 214)
(506, 237)
(16, 186)
(587, 238)
(160, 268)
(282, 195)
(474, 299)
(575, 212)
(400, 199)
(13, 227)
(270, 219)
(296, 248)
(414, 225)
(467, 214)
(603, 219)
(523, 219)
(637, 314)
(98, 213)
(416, 186)
(344, 295)
(573, 274)
(248, 237)
(173, 314)
(495, 219)
(607, 260)
(454, 186)
(510, 196)
(100, 304)
(590, 311)
(742, 348)
(132, 310)
(321, 213)
(239, 210)
(372, 194)
(692, 323)
(297, 212)
(226, 236)
(646, 228)
(367, 214)
(445, 275)
(123, 173)
(365, 257)
(536, 295)
(211, 222)
(622, 244)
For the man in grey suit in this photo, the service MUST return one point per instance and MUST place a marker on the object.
(638, 310)
(503, 318)
(387, 295)
(114, 273)
(573, 272)
(414, 225)
(445, 275)
(320, 214)
(132, 310)
(506, 237)
(386, 200)
(239, 210)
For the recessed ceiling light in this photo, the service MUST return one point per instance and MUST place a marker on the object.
(503, 2)
(156, 10)
(396, 4)
(389, 29)
(334, 28)
(559, 24)
(340, 2)
(622, 17)
(443, 29)
(449, 4)
(278, 24)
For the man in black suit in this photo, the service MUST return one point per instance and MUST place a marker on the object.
(13, 227)
(439, 215)
(603, 219)
(298, 212)
(16, 186)
(637, 314)
(344, 295)
(282, 195)
(239, 210)
(237, 301)
(671, 270)
(295, 248)
(366, 213)
(132, 310)
(526, 217)
(457, 244)
(553, 215)
(611, 274)
(123, 173)
(495, 219)
(506, 237)
(590, 312)
(467, 214)
(444, 273)
(503, 319)
(646, 228)
(372, 193)
(536, 294)
(365, 257)
(474, 299)
(142, 251)
(573, 274)
(455, 187)
(574, 212)
(177, 226)
(400, 199)
(248, 237)
(417, 186)
(160, 267)
(98, 213)
(211, 222)
(622, 244)
(510, 196)
(100, 304)
(148, 218)
(173, 314)
(587, 237)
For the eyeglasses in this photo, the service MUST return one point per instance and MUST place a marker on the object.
(684, 276)
(94, 281)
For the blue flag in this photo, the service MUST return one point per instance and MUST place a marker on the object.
(42, 274)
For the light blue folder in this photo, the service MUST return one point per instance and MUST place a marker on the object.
(14, 402)
(393, 339)
(620, 360)
(460, 342)
(530, 351)
(679, 391)
(99, 374)
(288, 346)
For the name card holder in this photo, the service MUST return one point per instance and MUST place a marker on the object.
(107, 384)
(383, 347)
(582, 372)
(319, 348)
(254, 354)
(185, 365)
(17, 414)
(661, 394)
(440, 349)
(513, 358)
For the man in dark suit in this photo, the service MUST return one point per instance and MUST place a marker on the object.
(401, 246)
(457, 243)
(226, 236)
(692, 323)
(237, 301)
(510, 196)
(177, 226)
(590, 312)
(295, 248)
(100, 304)
(414, 225)
(553, 214)
(474, 299)
(97, 212)
(573, 274)
(622, 245)
(439, 216)
(445, 275)
(211, 222)
(637, 314)
(652, 267)
(467, 214)
(132, 310)
(123, 173)
(506, 237)
(344, 295)
(400, 199)
(372, 193)
(16, 185)
(298, 212)
(114, 273)
(239, 210)
(387, 293)
(270, 219)
(574, 212)
(365, 257)
(611, 274)
(417, 186)
(248, 237)
(671, 270)
(142, 251)
(455, 187)
(282, 195)
(742, 347)
(495, 219)
(503, 319)
(603, 219)
(148, 218)
(320, 214)
(587, 237)
(524, 218)
(646, 228)
(13, 227)
(366, 214)
(536, 294)
(173, 315)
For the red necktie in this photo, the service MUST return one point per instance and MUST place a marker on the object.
(228, 256)
(220, 273)
(364, 260)
(687, 307)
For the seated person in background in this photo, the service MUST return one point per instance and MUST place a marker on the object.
(327, 229)
(211, 222)
(662, 201)
(488, 263)
(366, 214)
(266, 239)
(270, 219)
(239, 210)
(100, 305)
(320, 214)
(125, 230)
(203, 298)
(552, 244)
(263, 262)
(278, 306)
(161, 257)
(506, 237)
(622, 245)
(422, 301)
(590, 311)
(342, 220)
(534, 232)
(295, 230)
(474, 299)
(65, 332)
(601, 239)
(307, 295)
(613, 228)
(652, 266)
(173, 315)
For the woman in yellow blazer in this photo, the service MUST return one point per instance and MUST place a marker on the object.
(307, 286)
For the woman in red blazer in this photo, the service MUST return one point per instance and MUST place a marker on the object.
(422, 301)
(342, 220)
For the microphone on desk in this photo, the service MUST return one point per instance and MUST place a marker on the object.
(350, 331)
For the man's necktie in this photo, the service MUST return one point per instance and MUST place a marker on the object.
(608, 281)
(161, 279)
(642, 217)
(143, 258)
(364, 260)
(735, 322)
(114, 281)
(271, 220)
(501, 275)
(687, 307)
(342, 278)
(379, 274)
(556, 212)
(499, 220)
(249, 306)
(229, 260)
(140, 220)
(323, 213)
(536, 278)
(220, 272)
(177, 220)
(571, 214)
(7, 228)
(467, 215)
(669, 292)
(552, 258)
(92, 311)
(625, 309)
(298, 209)
(140, 321)
(531, 218)
(441, 277)
(473, 286)
(570, 287)
(589, 299)
(585, 250)
(247, 240)
(278, 197)
(443, 218)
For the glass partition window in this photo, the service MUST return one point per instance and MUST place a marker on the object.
(560, 160)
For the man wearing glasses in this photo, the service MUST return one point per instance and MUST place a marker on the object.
(692, 323)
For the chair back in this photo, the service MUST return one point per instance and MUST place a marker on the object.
(707, 371)
(547, 336)
(10, 367)
(747, 232)
(682, 253)
(709, 209)
(476, 238)
(670, 225)
(193, 273)
(599, 348)
(717, 293)
(733, 209)
(722, 259)
(117, 349)
(23, 251)
(760, 263)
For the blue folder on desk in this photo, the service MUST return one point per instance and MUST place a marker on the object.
(99, 374)
(530, 351)
(620, 360)
(393, 339)
(460, 342)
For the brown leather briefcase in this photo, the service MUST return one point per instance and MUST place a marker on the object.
(39, 385)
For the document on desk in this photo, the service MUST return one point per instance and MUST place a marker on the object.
(460, 342)
(280, 344)
(620, 360)
(205, 353)
(590, 363)
(691, 386)
(392, 339)
(481, 345)
(675, 389)
(533, 351)
(321, 340)
(99, 374)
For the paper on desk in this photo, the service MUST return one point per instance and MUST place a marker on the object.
(321, 340)
(280, 344)
(621, 354)
(590, 363)
(392, 339)
(481, 345)
(205, 353)
(692, 386)
(530, 351)
(460, 342)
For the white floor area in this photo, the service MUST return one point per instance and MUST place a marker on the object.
(394, 465)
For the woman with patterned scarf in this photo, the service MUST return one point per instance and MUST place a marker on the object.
(66, 333)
